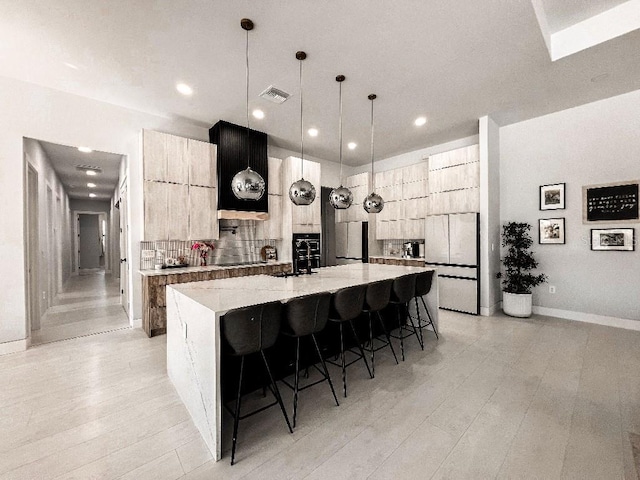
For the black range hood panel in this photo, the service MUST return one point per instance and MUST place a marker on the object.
(232, 145)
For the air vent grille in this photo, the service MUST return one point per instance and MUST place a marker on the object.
(274, 95)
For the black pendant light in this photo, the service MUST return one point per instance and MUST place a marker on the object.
(341, 197)
(373, 203)
(247, 184)
(302, 192)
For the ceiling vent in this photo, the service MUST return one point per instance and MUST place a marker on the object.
(274, 95)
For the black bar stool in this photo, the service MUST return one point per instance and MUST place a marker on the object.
(376, 298)
(251, 330)
(402, 291)
(346, 305)
(306, 316)
(423, 287)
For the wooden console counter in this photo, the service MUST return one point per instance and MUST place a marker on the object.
(154, 304)
(405, 262)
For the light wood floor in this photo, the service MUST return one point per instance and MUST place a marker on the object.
(88, 303)
(494, 398)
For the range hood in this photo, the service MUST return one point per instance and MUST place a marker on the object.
(233, 144)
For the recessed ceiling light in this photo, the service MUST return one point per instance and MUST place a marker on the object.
(259, 114)
(92, 195)
(71, 65)
(91, 173)
(184, 89)
(313, 132)
(420, 121)
(85, 149)
(91, 185)
(352, 145)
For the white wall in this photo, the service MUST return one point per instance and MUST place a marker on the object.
(591, 144)
(36, 112)
(54, 265)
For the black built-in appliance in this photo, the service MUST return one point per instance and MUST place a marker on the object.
(232, 144)
(306, 252)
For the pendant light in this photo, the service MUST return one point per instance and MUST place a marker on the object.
(247, 184)
(302, 192)
(373, 203)
(341, 197)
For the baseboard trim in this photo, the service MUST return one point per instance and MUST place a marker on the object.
(136, 323)
(488, 311)
(588, 318)
(15, 346)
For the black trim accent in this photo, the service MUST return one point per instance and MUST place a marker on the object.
(458, 277)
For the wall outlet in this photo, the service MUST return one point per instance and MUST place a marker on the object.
(552, 289)
(44, 295)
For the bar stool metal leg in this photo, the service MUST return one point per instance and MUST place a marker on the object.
(236, 416)
(276, 391)
(295, 383)
(429, 316)
(386, 334)
(355, 335)
(324, 368)
(417, 331)
(344, 366)
(401, 334)
(371, 349)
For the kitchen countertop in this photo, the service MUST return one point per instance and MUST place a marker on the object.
(174, 271)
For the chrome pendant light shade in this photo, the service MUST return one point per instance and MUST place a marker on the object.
(302, 192)
(247, 184)
(373, 203)
(340, 198)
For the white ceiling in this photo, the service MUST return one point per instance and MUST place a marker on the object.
(65, 161)
(565, 13)
(450, 60)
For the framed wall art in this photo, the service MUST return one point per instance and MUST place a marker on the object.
(613, 239)
(551, 231)
(552, 197)
(611, 202)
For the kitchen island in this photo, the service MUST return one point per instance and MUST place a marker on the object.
(193, 327)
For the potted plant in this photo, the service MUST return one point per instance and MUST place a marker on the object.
(518, 262)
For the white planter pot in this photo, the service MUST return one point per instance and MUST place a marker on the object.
(517, 304)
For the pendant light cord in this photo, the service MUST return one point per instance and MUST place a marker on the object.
(372, 178)
(301, 128)
(340, 134)
(247, 79)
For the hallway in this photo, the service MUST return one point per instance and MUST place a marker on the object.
(88, 303)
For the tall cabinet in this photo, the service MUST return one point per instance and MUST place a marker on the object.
(180, 188)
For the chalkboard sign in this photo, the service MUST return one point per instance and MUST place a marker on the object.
(611, 202)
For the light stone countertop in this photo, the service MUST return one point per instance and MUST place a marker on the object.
(222, 295)
(208, 268)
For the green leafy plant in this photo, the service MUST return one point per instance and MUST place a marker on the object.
(519, 261)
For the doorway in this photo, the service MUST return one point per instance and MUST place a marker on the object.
(72, 239)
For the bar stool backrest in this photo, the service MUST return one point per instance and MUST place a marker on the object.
(309, 314)
(403, 288)
(378, 295)
(423, 283)
(251, 329)
(347, 303)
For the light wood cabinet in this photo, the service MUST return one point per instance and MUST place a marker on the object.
(454, 181)
(202, 163)
(272, 228)
(358, 180)
(458, 156)
(275, 177)
(180, 194)
(307, 214)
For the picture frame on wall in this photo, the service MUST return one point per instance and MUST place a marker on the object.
(617, 202)
(613, 239)
(551, 231)
(552, 197)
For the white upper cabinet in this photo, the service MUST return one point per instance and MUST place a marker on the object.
(154, 146)
(177, 160)
(203, 214)
(459, 156)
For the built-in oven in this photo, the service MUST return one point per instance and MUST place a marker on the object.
(306, 252)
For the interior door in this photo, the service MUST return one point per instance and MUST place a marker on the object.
(124, 270)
